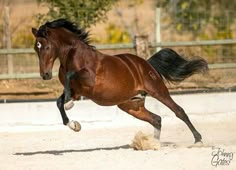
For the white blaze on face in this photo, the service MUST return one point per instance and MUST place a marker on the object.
(39, 45)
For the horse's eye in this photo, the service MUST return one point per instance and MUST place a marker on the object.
(39, 45)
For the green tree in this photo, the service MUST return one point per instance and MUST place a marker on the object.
(194, 15)
(204, 19)
(83, 12)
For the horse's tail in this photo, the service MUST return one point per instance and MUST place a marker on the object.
(174, 68)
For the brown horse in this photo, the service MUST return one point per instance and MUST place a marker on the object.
(123, 80)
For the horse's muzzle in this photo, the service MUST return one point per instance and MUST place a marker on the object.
(47, 76)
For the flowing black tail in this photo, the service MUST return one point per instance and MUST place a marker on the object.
(174, 68)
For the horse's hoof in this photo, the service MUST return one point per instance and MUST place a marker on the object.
(68, 105)
(197, 145)
(74, 125)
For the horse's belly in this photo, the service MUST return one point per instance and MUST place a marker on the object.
(105, 101)
(112, 95)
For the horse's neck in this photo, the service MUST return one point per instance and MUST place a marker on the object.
(87, 56)
(83, 54)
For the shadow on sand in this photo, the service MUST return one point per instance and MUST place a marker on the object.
(61, 152)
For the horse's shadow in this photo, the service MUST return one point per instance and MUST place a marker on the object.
(61, 152)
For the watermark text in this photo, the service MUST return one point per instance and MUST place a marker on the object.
(221, 157)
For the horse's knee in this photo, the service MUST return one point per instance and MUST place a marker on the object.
(137, 109)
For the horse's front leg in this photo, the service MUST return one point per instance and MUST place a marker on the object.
(68, 102)
(74, 125)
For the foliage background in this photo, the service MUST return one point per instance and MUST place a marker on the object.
(181, 20)
(82, 12)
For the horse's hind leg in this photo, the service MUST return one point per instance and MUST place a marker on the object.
(137, 109)
(158, 90)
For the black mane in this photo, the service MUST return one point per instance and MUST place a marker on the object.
(81, 33)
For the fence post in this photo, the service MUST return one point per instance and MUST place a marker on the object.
(7, 38)
(141, 46)
(158, 27)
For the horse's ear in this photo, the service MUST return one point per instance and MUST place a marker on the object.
(34, 31)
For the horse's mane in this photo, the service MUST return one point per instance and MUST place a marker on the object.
(80, 32)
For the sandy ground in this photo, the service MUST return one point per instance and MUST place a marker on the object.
(108, 147)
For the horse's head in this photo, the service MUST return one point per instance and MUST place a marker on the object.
(57, 39)
(45, 50)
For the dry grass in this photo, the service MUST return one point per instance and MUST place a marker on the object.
(30, 89)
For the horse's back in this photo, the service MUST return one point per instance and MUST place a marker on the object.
(138, 65)
(145, 74)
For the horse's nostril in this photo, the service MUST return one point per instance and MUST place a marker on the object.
(47, 76)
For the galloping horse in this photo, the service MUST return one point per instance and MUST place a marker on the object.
(123, 80)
